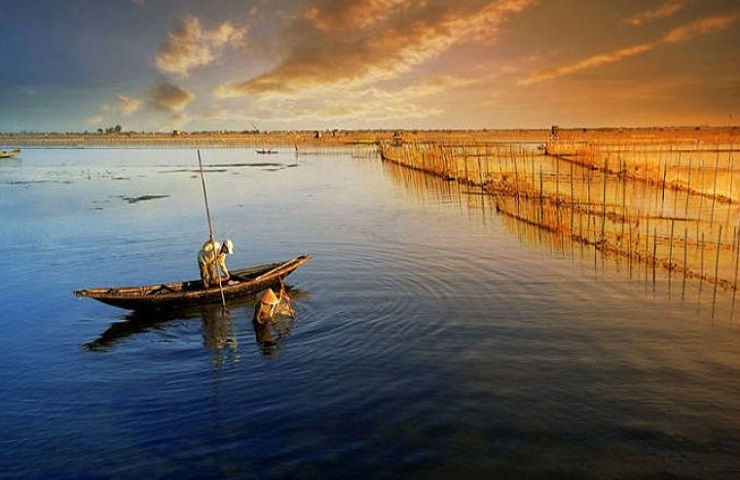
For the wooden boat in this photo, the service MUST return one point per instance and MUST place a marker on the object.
(177, 295)
(10, 153)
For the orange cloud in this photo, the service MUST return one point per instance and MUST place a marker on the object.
(332, 18)
(190, 46)
(681, 34)
(588, 63)
(700, 27)
(663, 11)
(350, 43)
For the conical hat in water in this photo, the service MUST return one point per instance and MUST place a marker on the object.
(270, 298)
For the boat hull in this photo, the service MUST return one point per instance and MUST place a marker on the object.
(177, 295)
(9, 154)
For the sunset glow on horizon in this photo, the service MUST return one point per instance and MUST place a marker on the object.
(157, 65)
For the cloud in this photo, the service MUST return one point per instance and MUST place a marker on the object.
(340, 17)
(678, 35)
(169, 97)
(178, 120)
(94, 120)
(128, 106)
(699, 28)
(665, 10)
(190, 46)
(588, 63)
(347, 43)
(381, 103)
(328, 106)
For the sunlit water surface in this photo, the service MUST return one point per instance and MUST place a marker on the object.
(432, 339)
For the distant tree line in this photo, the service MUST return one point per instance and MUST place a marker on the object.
(111, 130)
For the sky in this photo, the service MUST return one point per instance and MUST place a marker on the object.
(210, 65)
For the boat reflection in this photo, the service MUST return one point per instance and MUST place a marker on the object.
(219, 327)
(216, 325)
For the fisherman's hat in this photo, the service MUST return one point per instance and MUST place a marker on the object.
(270, 298)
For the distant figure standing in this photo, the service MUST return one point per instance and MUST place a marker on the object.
(211, 258)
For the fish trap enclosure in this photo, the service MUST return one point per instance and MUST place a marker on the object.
(658, 199)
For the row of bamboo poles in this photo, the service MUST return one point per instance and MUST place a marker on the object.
(663, 205)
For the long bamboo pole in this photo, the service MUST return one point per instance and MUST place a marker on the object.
(210, 230)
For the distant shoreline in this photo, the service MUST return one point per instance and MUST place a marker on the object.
(345, 137)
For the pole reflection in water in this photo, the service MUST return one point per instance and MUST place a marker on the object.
(219, 335)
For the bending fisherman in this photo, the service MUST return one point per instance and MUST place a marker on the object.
(211, 259)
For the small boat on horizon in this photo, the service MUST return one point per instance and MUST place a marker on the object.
(266, 151)
(10, 153)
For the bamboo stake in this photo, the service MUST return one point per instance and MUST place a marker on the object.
(737, 262)
(678, 182)
(662, 197)
(714, 187)
(557, 177)
(732, 177)
(542, 199)
(647, 244)
(655, 254)
(624, 204)
(480, 172)
(603, 203)
(629, 250)
(588, 204)
(210, 229)
(670, 257)
(572, 199)
(685, 266)
(701, 194)
(701, 271)
(716, 269)
(688, 190)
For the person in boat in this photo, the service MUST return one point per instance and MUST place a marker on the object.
(211, 259)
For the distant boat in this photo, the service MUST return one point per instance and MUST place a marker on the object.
(10, 154)
(266, 151)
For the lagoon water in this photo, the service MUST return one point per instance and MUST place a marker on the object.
(432, 338)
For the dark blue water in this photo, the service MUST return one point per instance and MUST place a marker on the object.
(432, 338)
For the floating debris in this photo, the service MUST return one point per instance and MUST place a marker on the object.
(142, 198)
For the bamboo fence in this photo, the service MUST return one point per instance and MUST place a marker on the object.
(657, 203)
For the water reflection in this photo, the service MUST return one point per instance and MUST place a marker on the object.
(220, 332)
(672, 259)
(219, 335)
(272, 335)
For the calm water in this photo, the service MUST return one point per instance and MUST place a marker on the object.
(432, 338)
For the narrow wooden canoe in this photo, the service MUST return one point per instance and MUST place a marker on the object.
(171, 296)
(10, 153)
